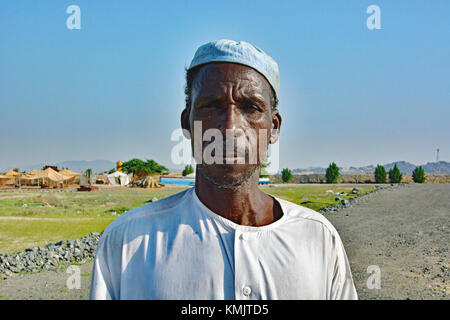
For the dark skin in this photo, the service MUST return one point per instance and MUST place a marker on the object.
(232, 96)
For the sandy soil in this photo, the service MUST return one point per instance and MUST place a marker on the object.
(405, 232)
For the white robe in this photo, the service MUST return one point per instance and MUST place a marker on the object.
(176, 248)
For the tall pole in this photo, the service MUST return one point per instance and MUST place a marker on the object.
(437, 155)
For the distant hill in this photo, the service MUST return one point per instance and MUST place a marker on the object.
(97, 166)
(442, 167)
(437, 167)
(403, 166)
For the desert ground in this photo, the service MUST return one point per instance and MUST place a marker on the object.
(404, 231)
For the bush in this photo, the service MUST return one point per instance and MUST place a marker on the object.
(142, 168)
(187, 170)
(418, 175)
(332, 173)
(286, 175)
(380, 174)
(394, 175)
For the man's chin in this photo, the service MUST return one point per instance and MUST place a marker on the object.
(227, 175)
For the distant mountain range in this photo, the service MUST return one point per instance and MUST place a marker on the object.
(97, 166)
(404, 167)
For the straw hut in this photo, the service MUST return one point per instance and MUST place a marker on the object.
(7, 180)
(10, 178)
(70, 176)
(30, 178)
(151, 182)
(12, 173)
(47, 177)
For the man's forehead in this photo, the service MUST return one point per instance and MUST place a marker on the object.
(218, 76)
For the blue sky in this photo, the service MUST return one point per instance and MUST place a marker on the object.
(115, 88)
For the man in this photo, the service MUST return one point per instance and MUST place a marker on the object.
(224, 239)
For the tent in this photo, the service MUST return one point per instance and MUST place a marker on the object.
(123, 178)
(30, 178)
(48, 176)
(70, 176)
(67, 172)
(11, 177)
(4, 179)
(11, 173)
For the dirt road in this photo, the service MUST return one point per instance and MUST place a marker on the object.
(403, 232)
(406, 233)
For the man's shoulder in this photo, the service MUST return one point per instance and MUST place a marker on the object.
(151, 211)
(300, 214)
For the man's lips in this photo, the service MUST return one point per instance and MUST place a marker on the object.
(232, 160)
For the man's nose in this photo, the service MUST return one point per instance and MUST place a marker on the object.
(231, 120)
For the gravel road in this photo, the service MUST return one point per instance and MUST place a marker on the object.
(404, 232)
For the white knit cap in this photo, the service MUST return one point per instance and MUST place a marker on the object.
(239, 52)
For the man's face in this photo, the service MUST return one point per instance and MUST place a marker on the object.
(236, 101)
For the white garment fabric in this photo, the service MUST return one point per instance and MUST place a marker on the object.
(177, 248)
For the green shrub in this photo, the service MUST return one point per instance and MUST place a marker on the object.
(137, 166)
(187, 170)
(332, 173)
(380, 174)
(418, 175)
(394, 175)
(286, 175)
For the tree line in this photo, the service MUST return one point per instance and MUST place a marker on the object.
(395, 176)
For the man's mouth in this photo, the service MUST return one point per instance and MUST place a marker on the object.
(234, 160)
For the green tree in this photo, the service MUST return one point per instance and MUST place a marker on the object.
(286, 175)
(142, 168)
(88, 173)
(418, 175)
(187, 170)
(332, 173)
(395, 175)
(380, 174)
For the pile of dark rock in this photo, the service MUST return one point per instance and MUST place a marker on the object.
(49, 257)
(343, 203)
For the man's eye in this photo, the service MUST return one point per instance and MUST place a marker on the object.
(206, 106)
(251, 108)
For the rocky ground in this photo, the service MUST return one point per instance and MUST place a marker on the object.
(402, 230)
(405, 232)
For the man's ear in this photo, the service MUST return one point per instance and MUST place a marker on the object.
(276, 125)
(185, 124)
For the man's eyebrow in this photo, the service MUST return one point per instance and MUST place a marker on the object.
(251, 98)
(207, 99)
(202, 99)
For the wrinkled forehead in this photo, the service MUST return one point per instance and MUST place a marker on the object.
(220, 77)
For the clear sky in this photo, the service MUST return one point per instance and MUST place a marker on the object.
(115, 88)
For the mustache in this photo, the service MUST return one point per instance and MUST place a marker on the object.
(228, 148)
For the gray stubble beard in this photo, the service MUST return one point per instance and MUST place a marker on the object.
(238, 183)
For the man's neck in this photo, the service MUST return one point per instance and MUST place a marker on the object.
(245, 204)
